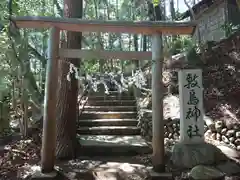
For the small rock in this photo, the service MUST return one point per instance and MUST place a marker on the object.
(208, 133)
(237, 134)
(175, 135)
(232, 145)
(170, 129)
(175, 129)
(213, 136)
(201, 172)
(225, 139)
(237, 142)
(218, 125)
(209, 122)
(229, 124)
(230, 133)
(205, 128)
(218, 137)
(224, 131)
(166, 134)
(236, 126)
(71, 175)
(232, 139)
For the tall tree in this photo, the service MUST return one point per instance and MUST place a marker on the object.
(68, 90)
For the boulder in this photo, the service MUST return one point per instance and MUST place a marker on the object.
(185, 156)
(229, 168)
(201, 172)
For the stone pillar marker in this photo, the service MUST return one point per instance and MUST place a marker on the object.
(191, 106)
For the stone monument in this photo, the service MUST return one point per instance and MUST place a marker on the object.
(192, 149)
(191, 106)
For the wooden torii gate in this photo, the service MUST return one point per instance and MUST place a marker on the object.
(154, 28)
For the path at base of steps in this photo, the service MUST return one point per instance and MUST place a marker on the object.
(109, 168)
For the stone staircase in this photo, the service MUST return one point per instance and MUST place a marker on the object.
(108, 126)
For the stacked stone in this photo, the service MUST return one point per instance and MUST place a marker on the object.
(229, 134)
(216, 130)
(171, 127)
(145, 124)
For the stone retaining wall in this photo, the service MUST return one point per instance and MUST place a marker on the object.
(216, 130)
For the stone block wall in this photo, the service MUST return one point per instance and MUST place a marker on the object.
(210, 22)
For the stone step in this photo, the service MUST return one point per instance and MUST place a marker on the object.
(107, 122)
(110, 108)
(112, 103)
(107, 115)
(109, 130)
(111, 93)
(109, 145)
(118, 97)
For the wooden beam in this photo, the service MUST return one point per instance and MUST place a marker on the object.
(80, 25)
(101, 54)
(50, 101)
(157, 104)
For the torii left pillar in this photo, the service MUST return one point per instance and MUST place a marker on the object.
(50, 101)
(157, 104)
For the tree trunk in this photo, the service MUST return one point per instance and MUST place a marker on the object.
(67, 144)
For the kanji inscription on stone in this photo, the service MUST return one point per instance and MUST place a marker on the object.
(191, 106)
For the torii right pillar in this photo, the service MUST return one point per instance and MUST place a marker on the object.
(157, 104)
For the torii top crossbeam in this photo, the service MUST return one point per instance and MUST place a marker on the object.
(80, 25)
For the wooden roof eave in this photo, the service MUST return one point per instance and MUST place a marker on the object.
(80, 25)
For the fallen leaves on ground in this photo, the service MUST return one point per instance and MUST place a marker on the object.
(16, 155)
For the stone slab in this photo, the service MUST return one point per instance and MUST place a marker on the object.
(113, 145)
(110, 108)
(107, 115)
(107, 122)
(109, 130)
(108, 140)
(113, 103)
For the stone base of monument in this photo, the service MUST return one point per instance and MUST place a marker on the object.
(187, 156)
(38, 175)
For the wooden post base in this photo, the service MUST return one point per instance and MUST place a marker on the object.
(163, 176)
(38, 175)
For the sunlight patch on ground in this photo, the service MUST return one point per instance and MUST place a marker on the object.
(27, 170)
(105, 169)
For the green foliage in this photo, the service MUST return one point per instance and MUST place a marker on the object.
(229, 28)
(156, 2)
(180, 44)
(193, 56)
